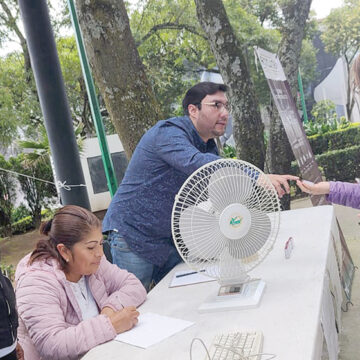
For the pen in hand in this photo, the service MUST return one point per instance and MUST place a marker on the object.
(189, 273)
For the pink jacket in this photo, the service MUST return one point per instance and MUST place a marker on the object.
(51, 325)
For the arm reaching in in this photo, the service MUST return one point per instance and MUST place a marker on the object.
(337, 192)
(280, 182)
(321, 188)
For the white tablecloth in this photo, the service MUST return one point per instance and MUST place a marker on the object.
(300, 304)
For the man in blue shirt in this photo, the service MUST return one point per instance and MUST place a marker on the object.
(138, 220)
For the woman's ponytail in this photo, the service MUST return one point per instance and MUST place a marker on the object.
(69, 225)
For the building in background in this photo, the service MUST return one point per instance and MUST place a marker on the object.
(332, 81)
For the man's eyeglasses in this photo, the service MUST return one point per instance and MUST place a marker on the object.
(219, 105)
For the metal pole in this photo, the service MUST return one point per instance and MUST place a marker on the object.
(94, 105)
(302, 97)
(53, 101)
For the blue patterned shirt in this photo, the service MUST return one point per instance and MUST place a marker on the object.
(141, 209)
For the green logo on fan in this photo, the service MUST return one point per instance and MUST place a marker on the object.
(235, 221)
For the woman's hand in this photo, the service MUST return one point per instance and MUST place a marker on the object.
(19, 352)
(124, 319)
(107, 311)
(320, 188)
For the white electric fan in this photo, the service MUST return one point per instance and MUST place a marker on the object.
(225, 220)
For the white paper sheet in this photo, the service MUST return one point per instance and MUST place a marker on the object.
(192, 278)
(151, 329)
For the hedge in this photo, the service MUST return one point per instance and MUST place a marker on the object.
(339, 165)
(26, 223)
(22, 225)
(335, 140)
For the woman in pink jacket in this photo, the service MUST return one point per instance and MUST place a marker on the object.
(69, 297)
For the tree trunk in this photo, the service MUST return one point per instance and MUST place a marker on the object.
(36, 218)
(247, 125)
(85, 113)
(279, 153)
(118, 69)
(5, 224)
(351, 94)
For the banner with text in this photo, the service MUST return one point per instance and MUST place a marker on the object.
(289, 115)
(280, 90)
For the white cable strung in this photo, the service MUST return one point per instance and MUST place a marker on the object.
(59, 184)
(65, 186)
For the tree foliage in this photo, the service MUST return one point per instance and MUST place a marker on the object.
(75, 85)
(307, 64)
(172, 47)
(245, 17)
(175, 50)
(36, 192)
(324, 119)
(263, 10)
(7, 196)
(166, 44)
(341, 37)
(19, 106)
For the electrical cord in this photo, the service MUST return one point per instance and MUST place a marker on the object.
(233, 349)
(202, 342)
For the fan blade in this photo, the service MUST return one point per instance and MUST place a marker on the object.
(200, 233)
(229, 185)
(246, 247)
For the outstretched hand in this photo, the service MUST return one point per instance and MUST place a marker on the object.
(320, 188)
(281, 184)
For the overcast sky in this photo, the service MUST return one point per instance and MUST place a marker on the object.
(323, 7)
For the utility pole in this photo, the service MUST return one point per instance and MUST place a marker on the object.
(53, 101)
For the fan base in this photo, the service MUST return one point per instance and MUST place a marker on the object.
(235, 297)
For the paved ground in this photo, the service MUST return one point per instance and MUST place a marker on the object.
(349, 337)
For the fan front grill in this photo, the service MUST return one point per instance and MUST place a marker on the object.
(198, 208)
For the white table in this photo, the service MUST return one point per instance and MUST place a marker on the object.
(296, 310)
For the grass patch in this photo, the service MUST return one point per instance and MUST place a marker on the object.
(13, 248)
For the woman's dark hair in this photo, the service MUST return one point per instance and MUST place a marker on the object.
(199, 91)
(69, 225)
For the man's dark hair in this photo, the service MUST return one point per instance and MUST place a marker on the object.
(199, 91)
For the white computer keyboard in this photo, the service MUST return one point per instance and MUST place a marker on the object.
(237, 346)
